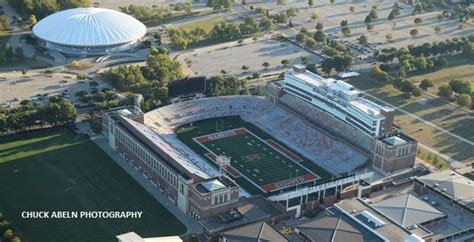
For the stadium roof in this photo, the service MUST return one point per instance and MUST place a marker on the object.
(407, 210)
(160, 142)
(89, 27)
(453, 185)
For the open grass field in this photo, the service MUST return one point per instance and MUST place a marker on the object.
(51, 170)
(206, 24)
(436, 111)
(259, 163)
(461, 68)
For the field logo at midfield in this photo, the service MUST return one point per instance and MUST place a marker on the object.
(253, 157)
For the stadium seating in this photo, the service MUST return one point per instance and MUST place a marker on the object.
(316, 146)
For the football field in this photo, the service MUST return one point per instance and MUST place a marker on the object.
(53, 170)
(254, 156)
(267, 166)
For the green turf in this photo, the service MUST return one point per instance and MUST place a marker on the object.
(270, 169)
(55, 172)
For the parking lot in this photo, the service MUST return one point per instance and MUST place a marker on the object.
(332, 14)
(232, 56)
(38, 86)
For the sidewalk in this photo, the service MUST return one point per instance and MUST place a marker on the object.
(192, 225)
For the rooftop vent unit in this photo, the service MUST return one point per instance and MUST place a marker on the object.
(372, 219)
(299, 68)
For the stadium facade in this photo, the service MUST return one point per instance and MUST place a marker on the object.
(340, 109)
(340, 99)
(89, 31)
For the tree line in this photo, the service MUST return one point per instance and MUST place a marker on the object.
(58, 112)
(43, 8)
(223, 31)
(9, 55)
(7, 233)
(151, 80)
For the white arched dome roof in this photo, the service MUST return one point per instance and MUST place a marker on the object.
(89, 27)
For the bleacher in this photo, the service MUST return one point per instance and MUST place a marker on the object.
(331, 154)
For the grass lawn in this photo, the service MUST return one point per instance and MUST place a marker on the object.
(256, 162)
(461, 68)
(435, 111)
(51, 170)
(206, 24)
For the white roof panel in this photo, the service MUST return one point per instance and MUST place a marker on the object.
(89, 27)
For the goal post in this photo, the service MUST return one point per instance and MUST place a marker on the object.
(222, 161)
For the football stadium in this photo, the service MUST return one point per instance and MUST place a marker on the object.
(89, 31)
(206, 152)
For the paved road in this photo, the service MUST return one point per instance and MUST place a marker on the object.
(192, 225)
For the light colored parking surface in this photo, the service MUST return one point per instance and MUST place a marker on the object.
(332, 14)
(14, 86)
(210, 61)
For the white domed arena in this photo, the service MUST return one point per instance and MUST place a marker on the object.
(89, 31)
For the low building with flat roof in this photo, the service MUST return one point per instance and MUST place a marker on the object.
(249, 210)
(450, 185)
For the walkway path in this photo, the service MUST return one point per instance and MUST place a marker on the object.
(192, 225)
(423, 120)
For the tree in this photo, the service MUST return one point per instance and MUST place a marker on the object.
(370, 27)
(460, 86)
(221, 4)
(292, 12)
(305, 59)
(373, 14)
(4, 23)
(445, 91)
(265, 24)
(280, 18)
(464, 100)
(311, 3)
(300, 37)
(363, 39)
(285, 62)
(32, 19)
(425, 84)
(414, 32)
(281, 2)
(319, 26)
(310, 42)
(406, 86)
(391, 15)
(319, 36)
(346, 31)
(344, 23)
(420, 62)
(249, 26)
(389, 36)
(417, 10)
(332, 1)
(245, 68)
(416, 92)
(368, 19)
(266, 64)
(352, 9)
(314, 16)
(418, 21)
(226, 85)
